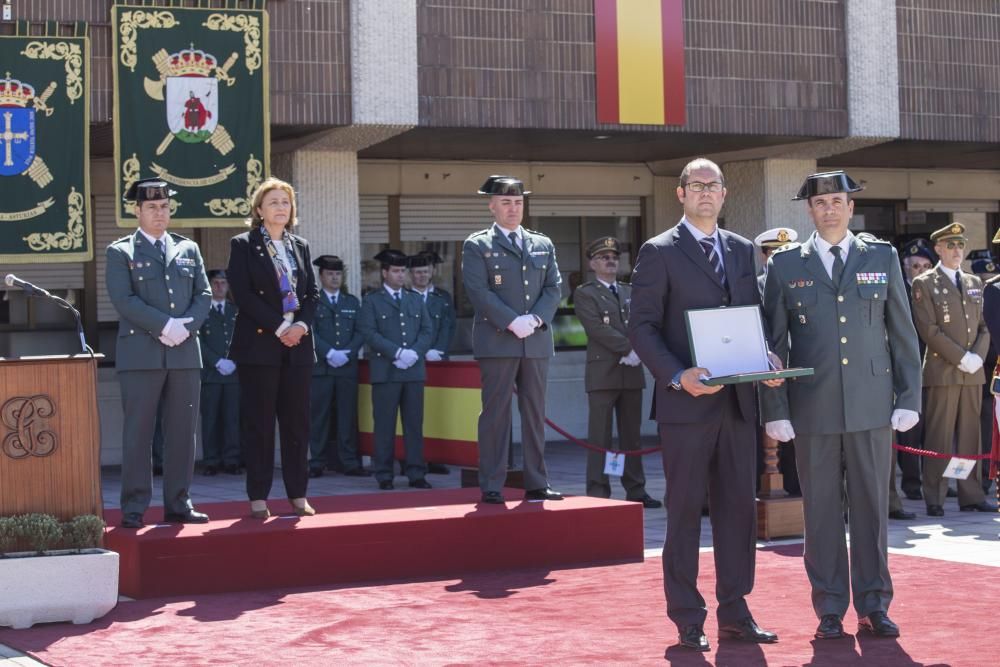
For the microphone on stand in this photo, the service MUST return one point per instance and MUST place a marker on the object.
(14, 281)
(33, 290)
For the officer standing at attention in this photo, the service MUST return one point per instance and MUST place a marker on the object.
(837, 304)
(334, 401)
(397, 329)
(441, 309)
(220, 387)
(511, 278)
(614, 379)
(157, 284)
(767, 242)
(948, 308)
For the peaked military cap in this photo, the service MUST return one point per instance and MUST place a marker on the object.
(425, 258)
(775, 238)
(148, 189)
(216, 273)
(984, 266)
(391, 257)
(503, 185)
(954, 231)
(827, 183)
(918, 248)
(981, 253)
(330, 263)
(602, 244)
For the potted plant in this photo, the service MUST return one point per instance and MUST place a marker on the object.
(43, 583)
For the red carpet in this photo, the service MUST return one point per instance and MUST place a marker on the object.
(412, 534)
(597, 615)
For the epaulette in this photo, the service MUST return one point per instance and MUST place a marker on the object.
(871, 238)
(124, 238)
(587, 284)
(992, 280)
(532, 231)
(786, 247)
(178, 237)
(481, 232)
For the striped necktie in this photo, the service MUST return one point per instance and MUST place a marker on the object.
(708, 245)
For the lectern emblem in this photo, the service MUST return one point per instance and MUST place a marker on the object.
(25, 418)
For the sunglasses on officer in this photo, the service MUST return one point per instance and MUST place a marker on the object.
(951, 245)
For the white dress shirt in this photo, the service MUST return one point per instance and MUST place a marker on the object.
(825, 256)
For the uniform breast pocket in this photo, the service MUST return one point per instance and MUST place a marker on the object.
(185, 272)
(540, 262)
(873, 302)
(802, 306)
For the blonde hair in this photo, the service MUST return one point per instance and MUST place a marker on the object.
(272, 183)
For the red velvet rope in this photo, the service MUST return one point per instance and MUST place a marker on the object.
(938, 455)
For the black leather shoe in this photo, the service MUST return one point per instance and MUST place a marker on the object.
(492, 498)
(649, 502)
(191, 516)
(693, 636)
(829, 627)
(746, 630)
(543, 494)
(935, 510)
(984, 506)
(878, 624)
(234, 469)
(210, 471)
(437, 469)
(386, 485)
(420, 484)
(913, 494)
(902, 515)
(132, 520)
(315, 472)
(357, 472)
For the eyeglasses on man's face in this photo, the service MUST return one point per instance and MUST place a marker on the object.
(698, 186)
(951, 245)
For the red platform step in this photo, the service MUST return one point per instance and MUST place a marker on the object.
(390, 535)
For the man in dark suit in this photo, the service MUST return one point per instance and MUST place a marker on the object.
(707, 433)
(397, 330)
(837, 304)
(511, 278)
(441, 309)
(156, 281)
(220, 388)
(614, 379)
(335, 376)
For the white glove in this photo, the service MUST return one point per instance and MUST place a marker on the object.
(176, 331)
(408, 357)
(166, 341)
(400, 364)
(336, 358)
(781, 430)
(903, 420)
(522, 326)
(970, 363)
(225, 366)
(630, 359)
(433, 355)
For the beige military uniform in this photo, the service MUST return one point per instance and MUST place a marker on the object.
(950, 322)
(612, 387)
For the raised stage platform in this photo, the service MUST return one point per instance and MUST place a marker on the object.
(370, 537)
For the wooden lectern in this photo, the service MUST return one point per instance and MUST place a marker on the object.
(50, 442)
(777, 514)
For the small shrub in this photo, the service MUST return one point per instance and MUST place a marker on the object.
(83, 532)
(39, 531)
(8, 536)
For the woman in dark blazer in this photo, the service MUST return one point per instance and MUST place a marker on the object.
(272, 282)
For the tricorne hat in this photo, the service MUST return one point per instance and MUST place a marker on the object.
(329, 263)
(148, 189)
(391, 257)
(827, 183)
(503, 185)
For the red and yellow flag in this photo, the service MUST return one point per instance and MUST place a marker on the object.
(639, 47)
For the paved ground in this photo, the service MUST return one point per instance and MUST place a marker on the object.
(969, 537)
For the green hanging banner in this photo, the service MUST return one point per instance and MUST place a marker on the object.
(191, 107)
(45, 148)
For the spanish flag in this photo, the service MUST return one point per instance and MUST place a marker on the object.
(639, 48)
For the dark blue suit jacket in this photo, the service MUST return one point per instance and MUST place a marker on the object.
(672, 275)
